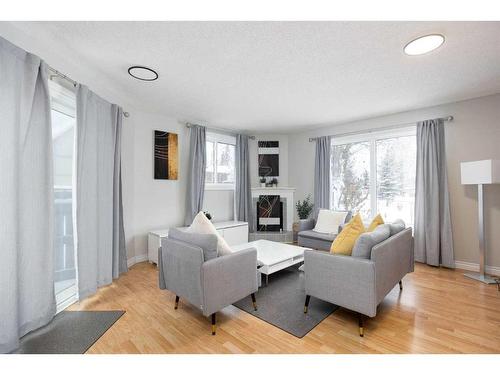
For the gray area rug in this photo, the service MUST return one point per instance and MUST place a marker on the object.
(281, 303)
(70, 332)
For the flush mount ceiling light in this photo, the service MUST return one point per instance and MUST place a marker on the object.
(424, 44)
(142, 73)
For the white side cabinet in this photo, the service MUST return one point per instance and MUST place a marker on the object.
(154, 243)
(234, 232)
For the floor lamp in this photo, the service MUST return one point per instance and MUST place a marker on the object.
(480, 173)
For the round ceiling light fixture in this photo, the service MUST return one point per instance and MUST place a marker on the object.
(424, 44)
(143, 73)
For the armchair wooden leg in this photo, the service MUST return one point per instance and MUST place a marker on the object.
(213, 324)
(360, 324)
(306, 305)
(176, 302)
(400, 284)
(254, 301)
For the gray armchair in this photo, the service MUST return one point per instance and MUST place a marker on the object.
(357, 283)
(189, 267)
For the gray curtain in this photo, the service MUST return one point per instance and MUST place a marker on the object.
(243, 197)
(322, 174)
(196, 172)
(27, 299)
(119, 248)
(99, 222)
(433, 236)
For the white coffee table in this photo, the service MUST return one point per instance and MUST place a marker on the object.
(273, 256)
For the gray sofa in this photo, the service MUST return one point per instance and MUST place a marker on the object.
(361, 281)
(307, 237)
(189, 267)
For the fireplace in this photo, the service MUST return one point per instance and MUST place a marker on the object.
(269, 213)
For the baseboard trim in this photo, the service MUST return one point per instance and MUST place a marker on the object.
(137, 259)
(467, 266)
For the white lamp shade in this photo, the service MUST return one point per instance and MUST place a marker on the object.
(480, 172)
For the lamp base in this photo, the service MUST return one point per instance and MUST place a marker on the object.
(483, 278)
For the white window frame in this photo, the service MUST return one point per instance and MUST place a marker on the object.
(372, 136)
(219, 138)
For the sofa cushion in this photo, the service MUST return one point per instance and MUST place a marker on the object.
(317, 236)
(397, 226)
(377, 220)
(365, 242)
(207, 242)
(329, 221)
(202, 225)
(346, 239)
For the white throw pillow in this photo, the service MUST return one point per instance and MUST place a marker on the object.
(202, 225)
(329, 221)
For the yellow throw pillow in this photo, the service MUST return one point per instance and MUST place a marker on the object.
(377, 220)
(346, 239)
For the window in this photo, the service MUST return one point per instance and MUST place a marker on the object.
(63, 114)
(375, 173)
(220, 168)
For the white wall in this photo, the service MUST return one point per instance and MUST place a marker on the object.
(473, 135)
(220, 203)
(254, 162)
(151, 204)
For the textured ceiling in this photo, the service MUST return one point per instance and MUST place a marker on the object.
(282, 76)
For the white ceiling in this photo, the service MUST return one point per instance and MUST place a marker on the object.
(282, 76)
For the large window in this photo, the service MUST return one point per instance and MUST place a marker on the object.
(220, 169)
(63, 135)
(375, 173)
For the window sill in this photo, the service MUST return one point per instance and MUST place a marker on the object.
(219, 187)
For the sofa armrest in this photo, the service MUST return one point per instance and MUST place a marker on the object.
(342, 280)
(228, 279)
(180, 269)
(306, 224)
(393, 259)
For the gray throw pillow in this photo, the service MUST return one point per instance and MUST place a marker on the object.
(397, 226)
(365, 242)
(207, 242)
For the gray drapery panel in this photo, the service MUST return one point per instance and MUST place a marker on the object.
(196, 172)
(27, 299)
(119, 248)
(322, 174)
(433, 236)
(100, 247)
(243, 197)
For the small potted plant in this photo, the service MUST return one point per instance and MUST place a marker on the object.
(274, 182)
(304, 208)
(262, 181)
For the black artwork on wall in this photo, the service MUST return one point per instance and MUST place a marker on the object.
(269, 159)
(165, 155)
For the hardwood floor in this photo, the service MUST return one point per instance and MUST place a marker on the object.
(438, 311)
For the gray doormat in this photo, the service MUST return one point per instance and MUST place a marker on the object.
(281, 303)
(70, 332)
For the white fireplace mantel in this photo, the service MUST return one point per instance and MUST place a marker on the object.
(284, 192)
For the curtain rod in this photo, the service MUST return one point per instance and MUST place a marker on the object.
(188, 125)
(57, 73)
(447, 118)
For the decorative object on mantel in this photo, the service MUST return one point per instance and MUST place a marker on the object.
(274, 182)
(479, 173)
(165, 160)
(208, 215)
(262, 182)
